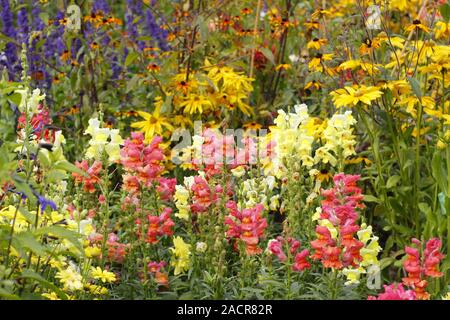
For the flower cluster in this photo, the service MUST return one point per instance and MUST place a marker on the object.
(103, 140)
(247, 225)
(338, 138)
(277, 247)
(294, 135)
(158, 226)
(91, 176)
(418, 268)
(141, 162)
(336, 245)
(181, 252)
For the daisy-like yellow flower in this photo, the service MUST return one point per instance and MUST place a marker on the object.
(321, 13)
(316, 63)
(51, 296)
(196, 103)
(368, 46)
(313, 24)
(313, 85)
(417, 25)
(316, 43)
(252, 126)
(102, 275)
(70, 278)
(351, 96)
(411, 101)
(442, 30)
(154, 123)
(284, 66)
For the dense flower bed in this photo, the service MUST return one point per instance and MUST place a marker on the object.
(225, 149)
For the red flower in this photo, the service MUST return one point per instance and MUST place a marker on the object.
(301, 263)
(419, 267)
(166, 188)
(247, 225)
(394, 292)
(202, 195)
(91, 177)
(141, 161)
(339, 208)
(158, 226)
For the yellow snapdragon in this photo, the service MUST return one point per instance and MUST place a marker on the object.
(180, 255)
(103, 140)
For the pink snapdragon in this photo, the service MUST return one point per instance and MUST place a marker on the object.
(247, 225)
(394, 291)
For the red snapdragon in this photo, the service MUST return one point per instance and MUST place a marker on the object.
(247, 225)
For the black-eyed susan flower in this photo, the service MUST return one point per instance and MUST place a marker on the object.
(442, 30)
(153, 67)
(351, 96)
(313, 24)
(313, 85)
(357, 160)
(183, 86)
(283, 66)
(368, 46)
(316, 43)
(246, 11)
(65, 55)
(321, 13)
(323, 175)
(252, 126)
(94, 45)
(316, 63)
(417, 25)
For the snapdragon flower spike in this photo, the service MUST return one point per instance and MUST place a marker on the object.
(418, 267)
(166, 188)
(202, 195)
(92, 176)
(247, 225)
(39, 123)
(276, 247)
(154, 266)
(339, 208)
(394, 291)
(158, 226)
(141, 162)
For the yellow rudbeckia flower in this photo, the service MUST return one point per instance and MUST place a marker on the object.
(351, 96)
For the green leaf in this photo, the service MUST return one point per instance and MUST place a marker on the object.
(371, 198)
(268, 54)
(62, 233)
(130, 58)
(442, 199)
(15, 98)
(29, 274)
(415, 85)
(438, 171)
(27, 240)
(67, 166)
(386, 262)
(22, 186)
(445, 11)
(8, 295)
(392, 181)
(132, 83)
